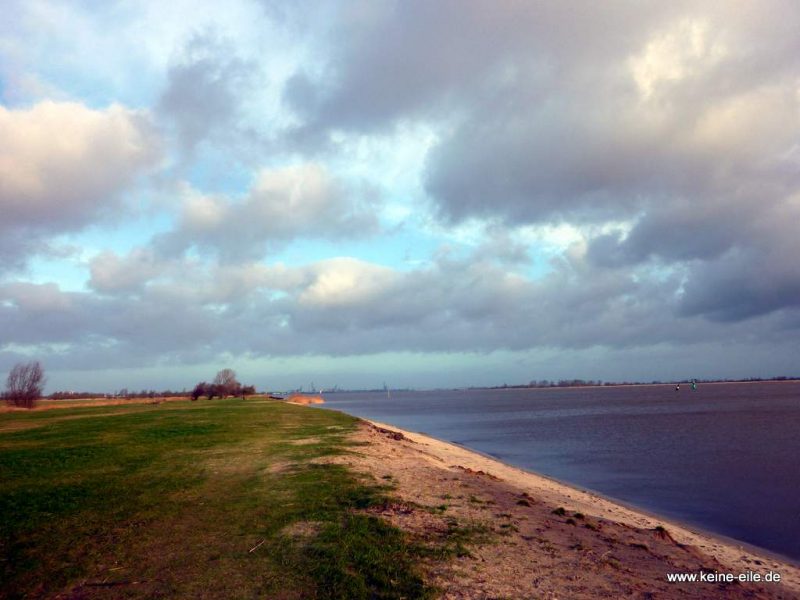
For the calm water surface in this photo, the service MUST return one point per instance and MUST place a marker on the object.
(725, 457)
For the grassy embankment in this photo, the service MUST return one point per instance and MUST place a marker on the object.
(213, 499)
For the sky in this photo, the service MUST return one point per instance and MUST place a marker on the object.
(422, 194)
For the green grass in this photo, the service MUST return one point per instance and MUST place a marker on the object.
(192, 499)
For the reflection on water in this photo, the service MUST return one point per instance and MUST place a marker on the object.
(724, 457)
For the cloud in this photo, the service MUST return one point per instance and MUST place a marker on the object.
(592, 143)
(385, 62)
(678, 121)
(144, 310)
(63, 166)
(756, 277)
(110, 273)
(205, 92)
(743, 284)
(682, 124)
(297, 201)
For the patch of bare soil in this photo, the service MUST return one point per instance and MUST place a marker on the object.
(538, 538)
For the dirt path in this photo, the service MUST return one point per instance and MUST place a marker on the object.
(590, 548)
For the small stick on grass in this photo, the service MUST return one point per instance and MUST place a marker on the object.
(256, 546)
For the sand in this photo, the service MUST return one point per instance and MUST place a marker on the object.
(528, 551)
(304, 399)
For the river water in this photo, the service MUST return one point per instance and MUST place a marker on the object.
(725, 457)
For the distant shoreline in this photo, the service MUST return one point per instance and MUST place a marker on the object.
(621, 385)
(563, 387)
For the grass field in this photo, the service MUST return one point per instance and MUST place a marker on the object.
(208, 499)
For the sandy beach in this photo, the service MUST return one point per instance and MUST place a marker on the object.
(545, 539)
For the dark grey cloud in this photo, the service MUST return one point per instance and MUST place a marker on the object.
(391, 60)
(737, 255)
(206, 90)
(609, 149)
(679, 231)
(748, 280)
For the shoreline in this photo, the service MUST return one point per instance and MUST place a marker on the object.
(652, 515)
(732, 555)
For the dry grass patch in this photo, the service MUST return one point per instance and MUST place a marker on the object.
(302, 530)
(305, 441)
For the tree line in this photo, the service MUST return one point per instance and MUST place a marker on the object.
(224, 384)
(123, 393)
(25, 384)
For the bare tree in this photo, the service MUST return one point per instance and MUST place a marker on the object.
(24, 384)
(200, 389)
(226, 383)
